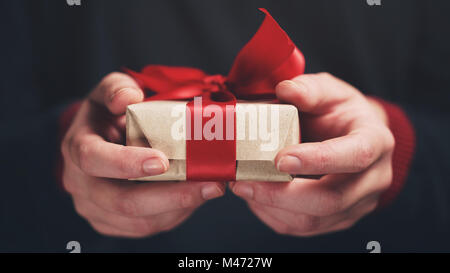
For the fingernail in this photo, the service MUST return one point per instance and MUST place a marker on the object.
(289, 163)
(292, 84)
(211, 192)
(287, 85)
(122, 91)
(243, 190)
(300, 85)
(154, 166)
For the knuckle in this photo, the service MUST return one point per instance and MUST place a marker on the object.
(390, 140)
(84, 152)
(345, 225)
(127, 206)
(80, 210)
(69, 184)
(100, 229)
(111, 77)
(268, 195)
(114, 83)
(325, 75)
(285, 84)
(140, 235)
(327, 78)
(372, 207)
(124, 164)
(329, 202)
(387, 179)
(310, 82)
(175, 222)
(307, 235)
(282, 228)
(324, 157)
(168, 227)
(64, 147)
(186, 199)
(365, 155)
(105, 231)
(69, 147)
(143, 227)
(307, 223)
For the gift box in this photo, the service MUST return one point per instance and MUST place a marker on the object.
(261, 131)
(214, 127)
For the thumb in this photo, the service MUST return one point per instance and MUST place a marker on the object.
(116, 91)
(314, 93)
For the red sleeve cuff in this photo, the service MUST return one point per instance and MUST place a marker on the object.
(404, 136)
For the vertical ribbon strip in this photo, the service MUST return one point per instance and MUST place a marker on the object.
(211, 139)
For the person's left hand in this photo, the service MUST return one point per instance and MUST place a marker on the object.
(349, 142)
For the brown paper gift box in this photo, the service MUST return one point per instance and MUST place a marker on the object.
(150, 124)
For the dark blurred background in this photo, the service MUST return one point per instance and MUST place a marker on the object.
(53, 54)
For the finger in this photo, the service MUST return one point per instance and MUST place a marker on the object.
(96, 157)
(308, 225)
(113, 134)
(142, 226)
(168, 221)
(273, 223)
(116, 91)
(152, 198)
(354, 216)
(74, 180)
(325, 197)
(314, 93)
(121, 123)
(315, 198)
(347, 154)
(295, 221)
(94, 214)
(112, 231)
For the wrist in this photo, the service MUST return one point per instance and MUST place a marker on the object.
(404, 135)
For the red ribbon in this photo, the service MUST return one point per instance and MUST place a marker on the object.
(267, 59)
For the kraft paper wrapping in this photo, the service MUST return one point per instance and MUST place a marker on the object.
(150, 124)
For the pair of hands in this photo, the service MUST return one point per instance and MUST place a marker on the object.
(349, 143)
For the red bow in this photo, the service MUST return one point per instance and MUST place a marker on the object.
(267, 59)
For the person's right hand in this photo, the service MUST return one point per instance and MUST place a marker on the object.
(96, 167)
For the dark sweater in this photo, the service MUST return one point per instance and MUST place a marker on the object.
(53, 54)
